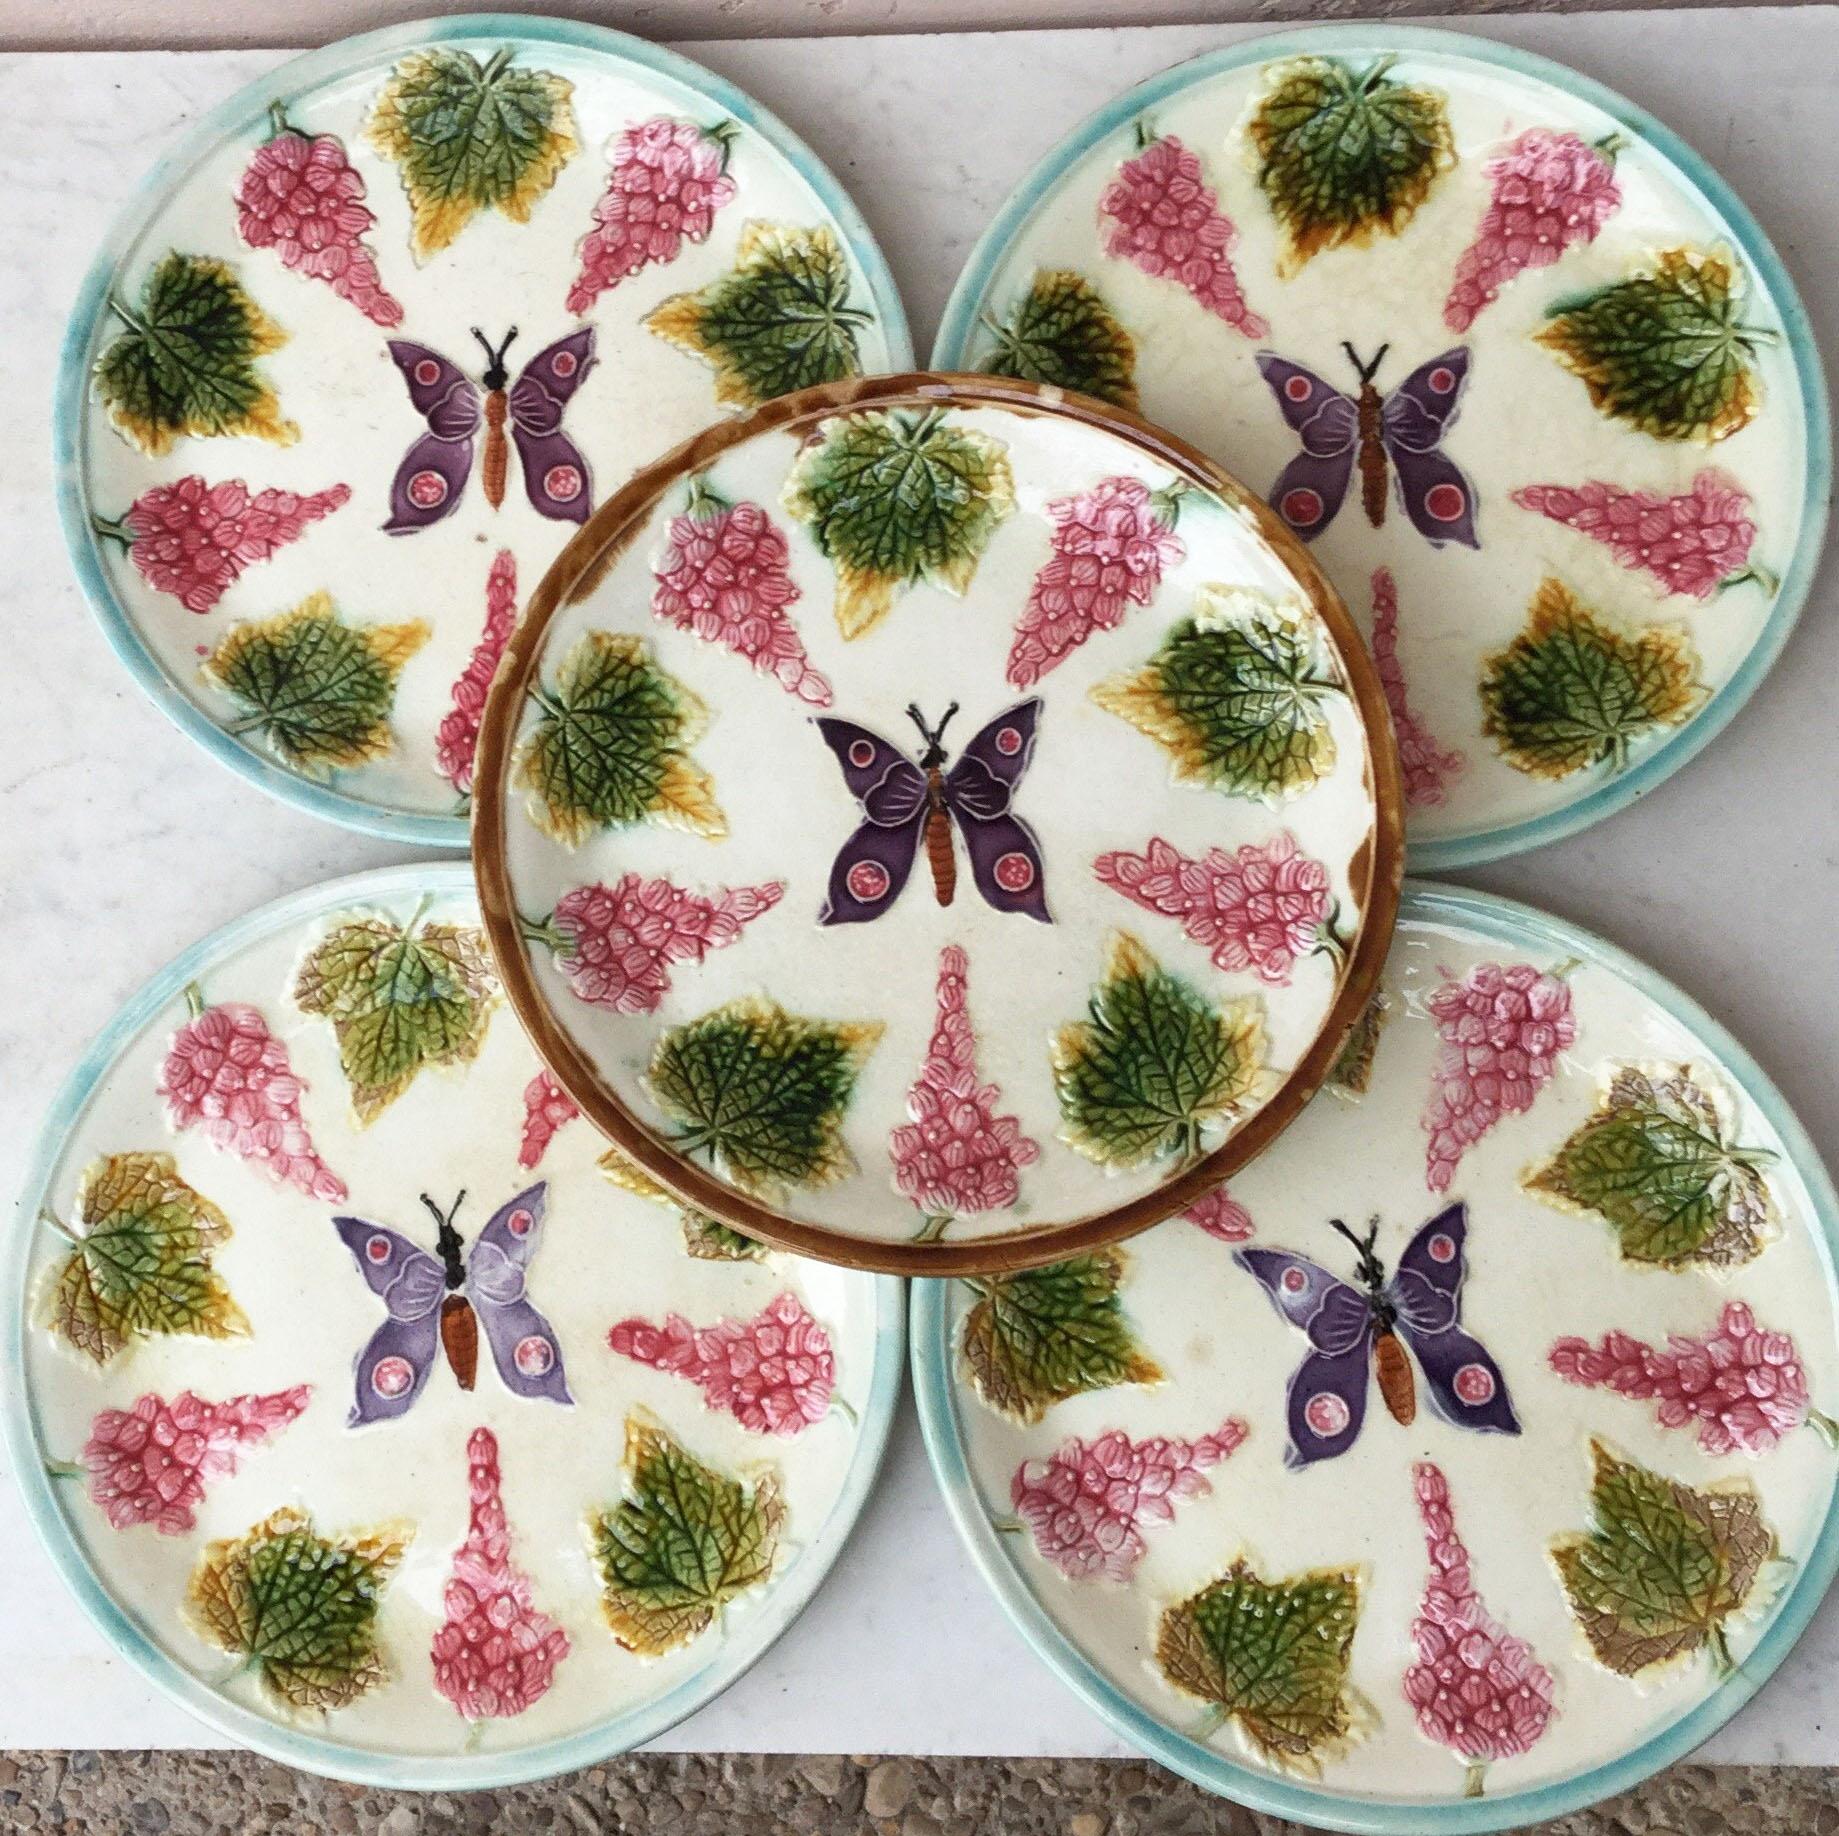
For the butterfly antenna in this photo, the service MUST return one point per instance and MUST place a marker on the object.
(1336, 1224)
(1365, 371)
(938, 733)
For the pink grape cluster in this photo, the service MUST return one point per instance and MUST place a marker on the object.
(1551, 191)
(1427, 766)
(1086, 1503)
(150, 1464)
(1743, 1387)
(775, 1373)
(615, 944)
(1160, 214)
(1221, 1215)
(457, 738)
(494, 1653)
(547, 1108)
(1693, 543)
(226, 1074)
(304, 199)
(957, 1155)
(726, 577)
(192, 540)
(1259, 908)
(1110, 547)
(1503, 1026)
(668, 180)
(1476, 1688)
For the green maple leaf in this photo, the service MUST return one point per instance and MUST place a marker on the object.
(1038, 1336)
(610, 747)
(762, 1091)
(321, 691)
(1571, 692)
(1665, 351)
(682, 1543)
(1272, 1655)
(186, 364)
(895, 498)
(1235, 694)
(141, 1265)
(1062, 332)
(1154, 1063)
(302, 1608)
(779, 320)
(1655, 1162)
(398, 999)
(1353, 1066)
(704, 1237)
(471, 137)
(1344, 155)
(1665, 1566)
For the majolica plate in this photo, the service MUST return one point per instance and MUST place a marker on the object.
(1467, 1458)
(366, 1412)
(934, 824)
(1509, 355)
(371, 344)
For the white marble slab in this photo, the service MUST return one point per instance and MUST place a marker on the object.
(120, 844)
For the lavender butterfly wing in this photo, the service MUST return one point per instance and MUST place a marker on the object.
(873, 864)
(433, 474)
(1005, 855)
(1325, 1403)
(524, 1344)
(392, 1368)
(1434, 490)
(556, 476)
(1466, 1385)
(1311, 488)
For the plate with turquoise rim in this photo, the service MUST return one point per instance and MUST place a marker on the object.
(1579, 1306)
(236, 1345)
(1575, 550)
(368, 345)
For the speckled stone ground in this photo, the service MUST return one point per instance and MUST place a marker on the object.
(217, 1794)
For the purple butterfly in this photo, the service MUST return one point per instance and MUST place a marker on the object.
(1407, 427)
(1421, 1304)
(429, 481)
(437, 1304)
(903, 804)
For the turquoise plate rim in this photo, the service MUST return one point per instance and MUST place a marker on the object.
(951, 347)
(1509, 921)
(236, 116)
(272, 1738)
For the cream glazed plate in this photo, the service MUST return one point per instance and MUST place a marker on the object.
(897, 876)
(1468, 1458)
(373, 342)
(366, 1413)
(1508, 355)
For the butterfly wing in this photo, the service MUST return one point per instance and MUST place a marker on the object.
(1466, 1385)
(433, 474)
(1005, 856)
(1310, 489)
(524, 1344)
(873, 864)
(556, 476)
(392, 1369)
(1434, 490)
(1325, 1403)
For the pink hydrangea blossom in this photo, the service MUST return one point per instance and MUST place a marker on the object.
(1259, 908)
(1085, 1503)
(547, 1107)
(1427, 766)
(1221, 1215)
(775, 1373)
(457, 737)
(494, 1653)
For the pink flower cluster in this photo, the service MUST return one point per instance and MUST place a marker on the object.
(1259, 908)
(957, 1156)
(457, 738)
(1743, 1387)
(1110, 547)
(494, 1653)
(1086, 1502)
(149, 1464)
(1221, 1215)
(1476, 1688)
(775, 1373)
(227, 1074)
(547, 1108)
(1693, 543)
(1427, 766)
